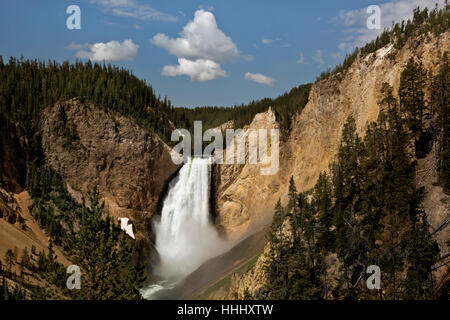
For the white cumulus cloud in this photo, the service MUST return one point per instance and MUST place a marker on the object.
(201, 48)
(110, 51)
(200, 70)
(259, 78)
(131, 9)
(200, 39)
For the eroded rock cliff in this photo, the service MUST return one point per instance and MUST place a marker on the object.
(312, 144)
(19, 230)
(90, 147)
(314, 141)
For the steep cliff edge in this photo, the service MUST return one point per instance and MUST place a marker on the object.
(311, 145)
(90, 147)
(234, 183)
(314, 141)
(18, 229)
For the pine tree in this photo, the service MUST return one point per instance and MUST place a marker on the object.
(54, 271)
(413, 105)
(104, 255)
(347, 188)
(292, 194)
(42, 262)
(308, 249)
(440, 102)
(25, 260)
(247, 295)
(396, 176)
(5, 292)
(322, 203)
(302, 283)
(276, 266)
(422, 254)
(406, 239)
(293, 208)
(293, 265)
(10, 259)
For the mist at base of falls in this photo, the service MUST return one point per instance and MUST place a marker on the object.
(185, 235)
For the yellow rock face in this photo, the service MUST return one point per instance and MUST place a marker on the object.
(245, 199)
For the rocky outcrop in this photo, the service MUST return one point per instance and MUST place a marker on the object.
(19, 230)
(9, 208)
(314, 141)
(437, 206)
(90, 147)
(235, 184)
(317, 133)
(251, 281)
(14, 146)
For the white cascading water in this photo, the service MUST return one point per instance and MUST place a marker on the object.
(185, 236)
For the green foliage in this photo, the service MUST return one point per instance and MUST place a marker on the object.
(53, 271)
(440, 105)
(424, 22)
(322, 201)
(285, 107)
(53, 206)
(276, 267)
(27, 86)
(93, 242)
(367, 212)
(293, 265)
(104, 255)
(423, 254)
(26, 259)
(9, 292)
(10, 259)
(413, 105)
(347, 184)
(13, 286)
(247, 295)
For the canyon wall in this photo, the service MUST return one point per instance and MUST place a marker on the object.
(313, 143)
(129, 166)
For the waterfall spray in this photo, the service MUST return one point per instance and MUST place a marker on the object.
(185, 236)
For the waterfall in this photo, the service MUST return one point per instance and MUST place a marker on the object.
(185, 236)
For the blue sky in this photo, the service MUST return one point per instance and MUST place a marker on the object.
(231, 52)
